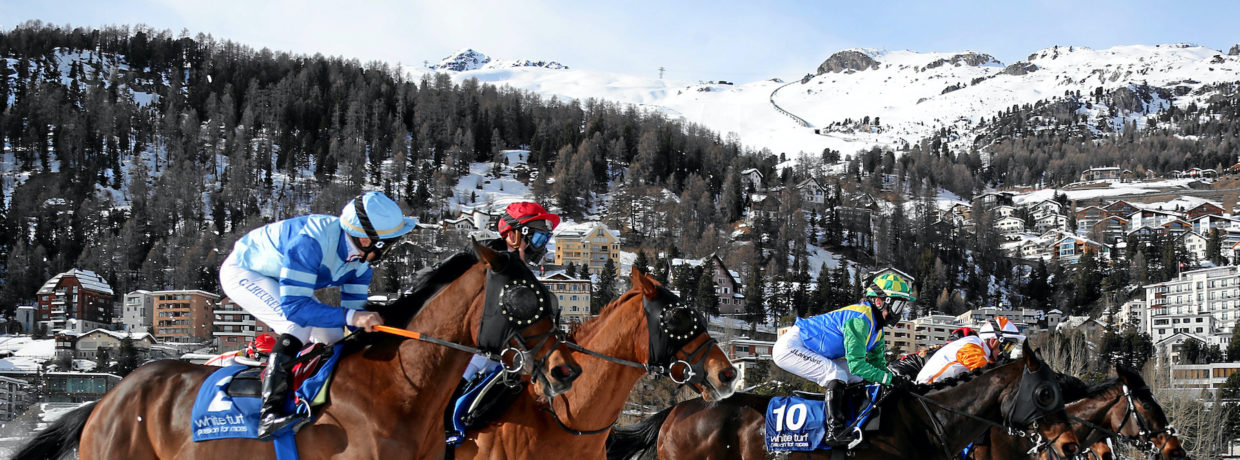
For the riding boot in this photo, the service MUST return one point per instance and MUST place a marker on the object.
(276, 386)
(834, 412)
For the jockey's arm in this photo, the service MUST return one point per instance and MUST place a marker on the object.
(297, 280)
(856, 335)
(971, 356)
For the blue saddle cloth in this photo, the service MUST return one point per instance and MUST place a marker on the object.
(798, 424)
(218, 415)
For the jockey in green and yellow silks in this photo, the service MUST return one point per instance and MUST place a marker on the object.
(846, 345)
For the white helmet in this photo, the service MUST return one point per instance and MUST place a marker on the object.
(1001, 328)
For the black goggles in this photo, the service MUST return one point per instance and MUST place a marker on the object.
(896, 305)
(380, 248)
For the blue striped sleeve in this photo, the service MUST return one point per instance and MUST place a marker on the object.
(354, 292)
(297, 280)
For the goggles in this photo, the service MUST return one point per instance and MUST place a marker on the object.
(380, 248)
(537, 237)
(896, 305)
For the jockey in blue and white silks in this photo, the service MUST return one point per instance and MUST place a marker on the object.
(273, 271)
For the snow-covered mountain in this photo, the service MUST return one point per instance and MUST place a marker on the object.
(467, 59)
(905, 95)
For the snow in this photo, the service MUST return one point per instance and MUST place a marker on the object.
(1113, 190)
(907, 97)
(487, 189)
(27, 354)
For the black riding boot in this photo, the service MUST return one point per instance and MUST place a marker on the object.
(276, 386)
(834, 414)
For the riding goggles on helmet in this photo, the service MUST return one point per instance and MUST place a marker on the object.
(380, 248)
(896, 305)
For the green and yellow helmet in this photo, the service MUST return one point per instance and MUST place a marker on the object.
(891, 285)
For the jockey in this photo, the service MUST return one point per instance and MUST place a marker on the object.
(960, 333)
(273, 271)
(846, 345)
(970, 351)
(524, 229)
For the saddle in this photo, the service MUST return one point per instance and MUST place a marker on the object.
(248, 383)
(797, 423)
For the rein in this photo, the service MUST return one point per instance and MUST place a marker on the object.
(1143, 439)
(1039, 443)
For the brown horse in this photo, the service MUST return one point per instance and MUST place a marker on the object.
(736, 428)
(386, 401)
(1123, 406)
(577, 428)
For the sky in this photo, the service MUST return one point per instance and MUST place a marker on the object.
(738, 41)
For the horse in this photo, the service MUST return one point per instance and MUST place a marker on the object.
(1122, 408)
(386, 400)
(908, 428)
(620, 348)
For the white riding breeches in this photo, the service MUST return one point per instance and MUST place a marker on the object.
(259, 295)
(791, 355)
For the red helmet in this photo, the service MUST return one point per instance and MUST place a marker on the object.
(525, 211)
(962, 332)
(261, 344)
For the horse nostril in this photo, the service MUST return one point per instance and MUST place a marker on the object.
(563, 373)
(1069, 449)
(727, 375)
(1107, 456)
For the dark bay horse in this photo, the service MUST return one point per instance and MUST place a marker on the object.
(386, 401)
(735, 428)
(1123, 405)
(529, 429)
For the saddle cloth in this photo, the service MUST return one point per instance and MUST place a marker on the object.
(798, 423)
(221, 411)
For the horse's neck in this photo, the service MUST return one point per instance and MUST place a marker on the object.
(981, 396)
(1097, 409)
(598, 396)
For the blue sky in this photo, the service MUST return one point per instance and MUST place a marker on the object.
(694, 40)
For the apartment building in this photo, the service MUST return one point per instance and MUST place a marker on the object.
(1203, 302)
(572, 293)
(138, 311)
(79, 300)
(184, 316)
(587, 245)
(232, 327)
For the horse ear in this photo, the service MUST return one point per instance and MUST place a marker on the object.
(494, 260)
(1129, 376)
(642, 283)
(1032, 360)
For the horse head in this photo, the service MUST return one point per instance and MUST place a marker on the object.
(1037, 405)
(1141, 418)
(520, 319)
(679, 342)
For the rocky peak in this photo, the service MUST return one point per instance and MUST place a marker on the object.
(968, 58)
(1234, 51)
(847, 60)
(461, 61)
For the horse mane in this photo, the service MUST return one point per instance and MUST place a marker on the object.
(426, 283)
(1075, 389)
(592, 323)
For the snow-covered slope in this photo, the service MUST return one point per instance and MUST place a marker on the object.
(911, 94)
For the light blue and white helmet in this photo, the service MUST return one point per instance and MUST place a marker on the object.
(375, 216)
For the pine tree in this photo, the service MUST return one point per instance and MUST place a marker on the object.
(707, 300)
(755, 291)
(642, 263)
(604, 288)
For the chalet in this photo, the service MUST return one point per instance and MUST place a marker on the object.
(482, 219)
(1120, 208)
(1145, 232)
(1096, 174)
(1206, 224)
(963, 210)
(1050, 222)
(1010, 225)
(752, 179)
(1176, 227)
(1205, 209)
(1004, 211)
(1151, 218)
(1194, 245)
(763, 205)
(1127, 176)
(992, 199)
(1087, 217)
(458, 223)
(89, 344)
(728, 288)
(1112, 229)
(1070, 249)
(1045, 208)
(812, 192)
(1032, 249)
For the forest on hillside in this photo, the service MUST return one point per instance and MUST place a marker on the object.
(143, 154)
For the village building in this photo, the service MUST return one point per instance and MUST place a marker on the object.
(232, 327)
(588, 246)
(184, 316)
(79, 300)
(571, 292)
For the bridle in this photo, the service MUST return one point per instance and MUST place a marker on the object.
(664, 346)
(1144, 439)
(1037, 395)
